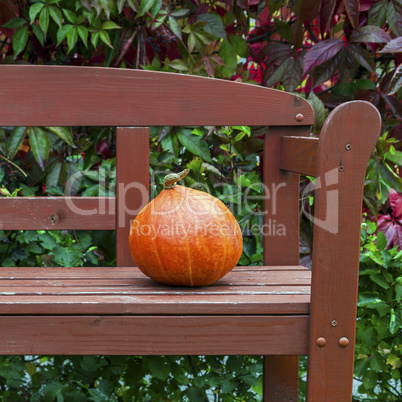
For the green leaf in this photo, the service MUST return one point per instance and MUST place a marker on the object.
(178, 64)
(56, 15)
(72, 37)
(95, 39)
(110, 25)
(368, 298)
(2, 174)
(194, 144)
(377, 12)
(83, 33)
(15, 23)
(53, 177)
(318, 108)
(3, 146)
(105, 38)
(44, 20)
(394, 18)
(398, 292)
(214, 25)
(39, 34)
(389, 177)
(62, 33)
(144, 7)
(34, 11)
(14, 141)
(239, 45)
(175, 27)
(19, 41)
(71, 16)
(228, 55)
(381, 241)
(380, 281)
(40, 145)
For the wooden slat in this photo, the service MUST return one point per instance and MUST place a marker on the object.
(114, 272)
(30, 96)
(128, 291)
(246, 277)
(229, 304)
(299, 155)
(132, 183)
(57, 213)
(346, 142)
(282, 207)
(160, 335)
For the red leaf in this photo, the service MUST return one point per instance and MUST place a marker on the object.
(371, 34)
(102, 149)
(391, 225)
(395, 200)
(321, 52)
(394, 105)
(327, 9)
(309, 10)
(395, 46)
(352, 10)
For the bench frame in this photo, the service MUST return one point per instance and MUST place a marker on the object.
(325, 329)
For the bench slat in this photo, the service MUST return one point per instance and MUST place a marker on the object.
(30, 96)
(157, 335)
(98, 290)
(58, 213)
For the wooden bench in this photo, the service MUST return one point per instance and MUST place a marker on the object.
(279, 310)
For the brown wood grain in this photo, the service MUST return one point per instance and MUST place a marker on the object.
(57, 213)
(299, 155)
(30, 96)
(126, 290)
(355, 125)
(156, 335)
(132, 185)
(282, 207)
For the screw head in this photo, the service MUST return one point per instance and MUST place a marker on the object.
(334, 323)
(341, 168)
(299, 117)
(321, 342)
(348, 147)
(343, 342)
(53, 218)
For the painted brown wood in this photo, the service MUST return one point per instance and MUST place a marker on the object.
(57, 213)
(30, 96)
(299, 155)
(126, 290)
(346, 142)
(282, 208)
(132, 185)
(153, 335)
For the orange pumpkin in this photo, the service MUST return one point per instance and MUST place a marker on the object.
(185, 237)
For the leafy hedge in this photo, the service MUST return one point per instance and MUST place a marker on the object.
(327, 51)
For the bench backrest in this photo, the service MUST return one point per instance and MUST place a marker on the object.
(80, 96)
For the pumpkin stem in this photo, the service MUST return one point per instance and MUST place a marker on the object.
(171, 179)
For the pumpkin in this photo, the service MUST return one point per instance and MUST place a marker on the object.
(185, 237)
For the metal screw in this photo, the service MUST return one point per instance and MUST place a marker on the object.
(343, 342)
(321, 342)
(334, 323)
(341, 168)
(348, 147)
(53, 219)
(299, 117)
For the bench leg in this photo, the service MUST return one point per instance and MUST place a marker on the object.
(281, 379)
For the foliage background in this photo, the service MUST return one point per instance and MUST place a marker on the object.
(329, 51)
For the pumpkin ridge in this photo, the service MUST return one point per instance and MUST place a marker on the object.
(178, 215)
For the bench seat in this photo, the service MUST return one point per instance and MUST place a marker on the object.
(107, 310)
(126, 290)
